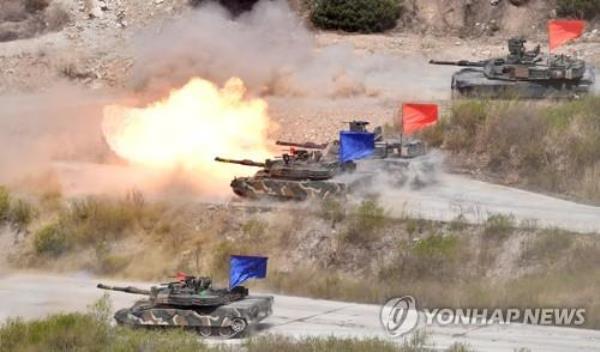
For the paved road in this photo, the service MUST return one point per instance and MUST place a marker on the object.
(34, 295)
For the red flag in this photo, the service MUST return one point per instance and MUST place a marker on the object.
(561, 31)
(180, 276)
(418, 116)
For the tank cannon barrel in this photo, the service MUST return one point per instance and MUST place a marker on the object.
(241, 162)
(128, 289)
(307, 145)
(462, 63)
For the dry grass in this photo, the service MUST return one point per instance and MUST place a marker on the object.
(442, 264)
(92, 331)
(549, 148)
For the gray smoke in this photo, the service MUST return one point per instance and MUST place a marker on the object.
(271, 49)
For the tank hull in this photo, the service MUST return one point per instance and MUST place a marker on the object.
(228, 320)
(262, 187)
(472, 82)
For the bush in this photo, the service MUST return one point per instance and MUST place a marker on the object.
(332, 210)
(21, 213)
(586, 9)
(550, 148)
(50, 240)
(365, 16)
(436, 246)
(549, 245)
(91, 332)
(498, 226)
(365, 221)
(4, 204)
(93, 220)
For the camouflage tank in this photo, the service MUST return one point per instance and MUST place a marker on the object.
(193, 303)
(522, 74)
(299, 175)
(384, 147)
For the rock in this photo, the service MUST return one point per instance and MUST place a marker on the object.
(96, 12)
(158, 2)
(102, 5)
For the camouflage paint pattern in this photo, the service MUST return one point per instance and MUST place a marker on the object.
(251, 310)
(258, 187)
(522, 74)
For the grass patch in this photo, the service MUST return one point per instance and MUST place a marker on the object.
(585, 9)
(92, 331)
(364, 223)
(332, 210)
(548, 246)
(4, 203)
(498, 226)
(51, 240)
(545, 148)
(21, 213)
(432, 246)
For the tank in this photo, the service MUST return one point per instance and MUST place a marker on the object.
(522, 73)
(397, 148)
(193, 303)
(299, 175)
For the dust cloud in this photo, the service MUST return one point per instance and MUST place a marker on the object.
(38, 128)
(271, 49)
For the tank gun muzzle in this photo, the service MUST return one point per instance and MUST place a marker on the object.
(245, 162)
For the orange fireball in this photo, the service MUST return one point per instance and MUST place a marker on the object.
(189, 128)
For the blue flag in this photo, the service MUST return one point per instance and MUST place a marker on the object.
(356, 145)
(242, 268)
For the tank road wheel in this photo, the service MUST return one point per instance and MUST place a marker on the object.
(238, 325)
(204, 331)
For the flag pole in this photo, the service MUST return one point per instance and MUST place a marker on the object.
(401, 128)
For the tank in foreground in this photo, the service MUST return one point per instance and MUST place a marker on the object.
(523, 73)
(299, 175)
(193, 303)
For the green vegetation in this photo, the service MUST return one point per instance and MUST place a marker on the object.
(365, 16)
(15, 211)
(92, 332)
(4, 203)
(546, 148)
(332, 210)
(364, 257)
(585, 9)
(51, 240)
(21, 213)
(548, 246)
(499, 226)
(364, 223)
